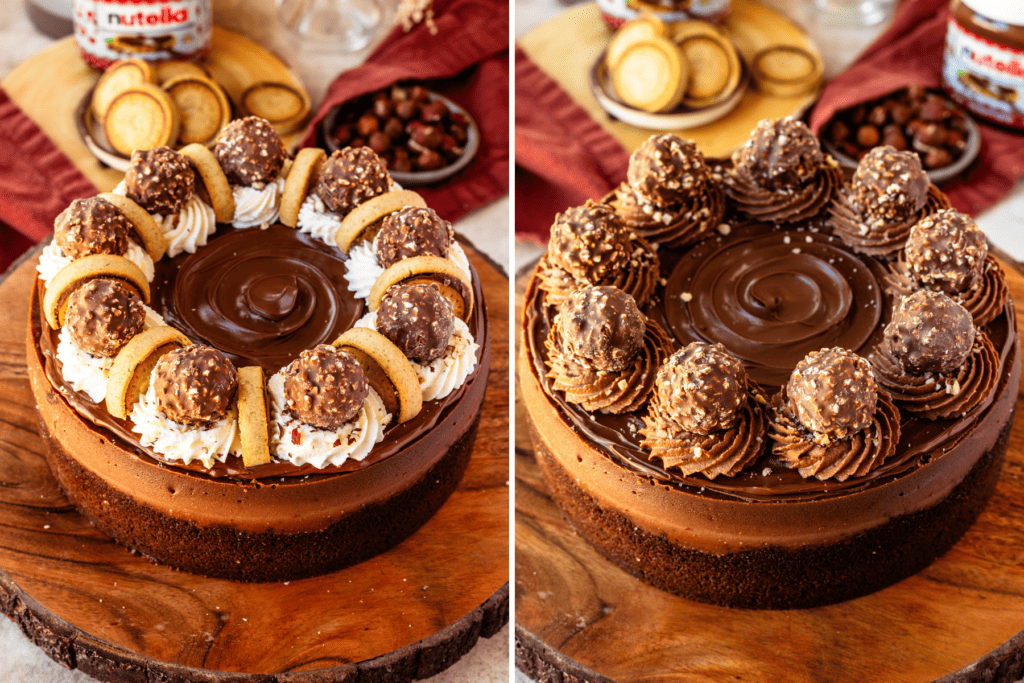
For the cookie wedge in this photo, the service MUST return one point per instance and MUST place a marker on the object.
(142, 116)
(253, 424)
(150, 236)
(303, 173)
(283, 105)
(129, 375)
(116, 79)
(203, 106)
(452, 280)
(360, 220)
(387, 369)
(216, 183)
(78, 272)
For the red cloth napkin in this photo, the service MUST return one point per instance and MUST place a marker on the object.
(470, 52)
(37, 182)
(910, 51)
(563, 157)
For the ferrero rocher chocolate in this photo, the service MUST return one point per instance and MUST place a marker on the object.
(780, 153)
(195, 385)
(412, 231)
(702, 387)
(666, 170)
(930, 332)
(103, 315)
(602, 325)
(159, 180)
(889, 185)
(351, 176)
(91, 226)
(418, 319)
(947, 251)
(325, 387)
(833, 393)
(590, 242)
(250, 151)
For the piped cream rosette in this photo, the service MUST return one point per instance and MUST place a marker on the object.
(184, 231)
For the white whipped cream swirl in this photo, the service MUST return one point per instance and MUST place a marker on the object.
(52, 260)
(83, 371)
(257, 206)
(182, 442)
(186, 230)
(317, 220)
(363, 267)
(447, 373)
(302, 444)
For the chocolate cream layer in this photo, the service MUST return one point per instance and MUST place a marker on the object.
(262, 297)
(770, 296)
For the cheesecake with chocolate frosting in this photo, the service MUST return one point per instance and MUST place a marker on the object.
(227, 411)
(831, 391)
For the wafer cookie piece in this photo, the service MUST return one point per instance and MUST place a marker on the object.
(301, 176)
(387, 369)
(141, 117)
(253, 423)
(216, 183)
(116, 79)
(449, 277)
(78, 272)
(363, 221)
(150, 236)
(203, 106)
(129, 375)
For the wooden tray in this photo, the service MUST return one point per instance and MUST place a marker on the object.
(90, 604)
(581, 617)
(566, 47)
(49, 87)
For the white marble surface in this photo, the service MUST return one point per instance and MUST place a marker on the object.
(487, 228)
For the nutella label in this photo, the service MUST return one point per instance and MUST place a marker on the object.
(108, 30)
(984, 76)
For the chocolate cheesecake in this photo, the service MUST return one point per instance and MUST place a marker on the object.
(821, 421)
(331, 453)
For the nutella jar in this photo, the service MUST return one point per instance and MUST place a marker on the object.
(154, 30)
(983, 67)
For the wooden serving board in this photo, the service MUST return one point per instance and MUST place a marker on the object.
(580, 618)
(49, 87)
(566, 48)
(90, 604)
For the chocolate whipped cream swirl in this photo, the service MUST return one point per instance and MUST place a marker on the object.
(878, 237)
(590, 245)
(984, 300)
(675, 225)
(780, 175)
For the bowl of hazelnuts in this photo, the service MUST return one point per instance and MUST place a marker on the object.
(422, 136)
(914, 118)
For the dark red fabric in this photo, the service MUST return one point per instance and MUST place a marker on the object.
(563, 157)
(37, 182)
(910, 51)
(467, 60)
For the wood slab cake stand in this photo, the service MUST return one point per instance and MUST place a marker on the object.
(580, 618)
(91, 604)
(566, 48)
(49, 86)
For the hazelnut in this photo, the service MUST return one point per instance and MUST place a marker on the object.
(367, 124)
(868, 136)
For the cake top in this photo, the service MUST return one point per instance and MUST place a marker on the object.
(159, 180)
(91, 226)
(417, 319)
(780, 153)
(602, 325)
(590, 242)
(350, 177)
(325, 387)
(412, 231)
(702, 387)
(250, 151)
(890, 185)
(833, 393)
(947, 251)
(666, 170)
(103, 315)
(930, 332)
(195, 384)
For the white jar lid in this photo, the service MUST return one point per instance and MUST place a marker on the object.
(1004, 11)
